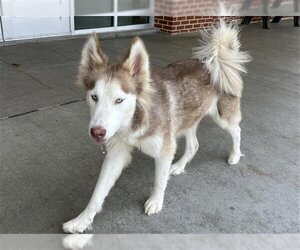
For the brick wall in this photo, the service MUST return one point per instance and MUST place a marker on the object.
(177, 16)
(183, 24)
(180, 24)
(204, 7)
(182, 7)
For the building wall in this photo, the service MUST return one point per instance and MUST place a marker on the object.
(180, 24)
(178, 16)
(23, 19)
(184, 24)
(34, 18)
(199, 7)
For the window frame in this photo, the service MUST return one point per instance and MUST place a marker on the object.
(115, 14)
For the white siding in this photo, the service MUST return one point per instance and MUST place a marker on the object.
(35, 18)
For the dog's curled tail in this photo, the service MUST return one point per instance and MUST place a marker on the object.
(220, 53)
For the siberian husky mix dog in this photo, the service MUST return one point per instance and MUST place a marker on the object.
(134, 107)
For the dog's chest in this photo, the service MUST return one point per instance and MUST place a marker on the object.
(150, 146)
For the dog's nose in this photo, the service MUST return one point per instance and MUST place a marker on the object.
(98, 133)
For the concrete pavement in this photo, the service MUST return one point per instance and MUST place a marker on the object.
(49, 166)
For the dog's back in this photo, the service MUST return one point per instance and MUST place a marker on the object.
(189, 93)
(210, 83)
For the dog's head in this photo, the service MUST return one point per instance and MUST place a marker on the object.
(113, 91)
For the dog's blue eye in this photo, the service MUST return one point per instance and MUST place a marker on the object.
(119, 100)
(95, 98)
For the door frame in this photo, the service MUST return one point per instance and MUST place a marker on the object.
(140, 12)
(1, 29)
(1, 32)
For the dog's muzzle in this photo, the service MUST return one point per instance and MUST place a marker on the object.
(98, 133)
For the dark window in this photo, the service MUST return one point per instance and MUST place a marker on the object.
(132, 20)
(93, 22)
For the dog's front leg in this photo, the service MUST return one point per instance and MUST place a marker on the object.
(162, 167)
(116, 159)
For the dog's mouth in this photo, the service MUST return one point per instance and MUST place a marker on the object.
(99, 140)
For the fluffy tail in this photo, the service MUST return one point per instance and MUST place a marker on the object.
(221, 55)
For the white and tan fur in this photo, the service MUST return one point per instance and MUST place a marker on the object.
(133, 107)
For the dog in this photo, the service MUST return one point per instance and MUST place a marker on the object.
(134, 107)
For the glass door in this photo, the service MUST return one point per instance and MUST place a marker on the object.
(134, 13)
(114, 15)
(93, 14)
(124, 5)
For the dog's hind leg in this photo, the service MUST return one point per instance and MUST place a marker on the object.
(235, 154)
(227, 115)
(191, 147)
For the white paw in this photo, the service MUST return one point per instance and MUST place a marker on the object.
(234, 158)
(153, 205)
(78, 225)
(176, 169)
(77, 241)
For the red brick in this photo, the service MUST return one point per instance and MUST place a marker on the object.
(169, 18)
(185, 22)
(180, 27)
(193, 21)
(197, 25)
(173, 23)
(163, 22)
(169, 27)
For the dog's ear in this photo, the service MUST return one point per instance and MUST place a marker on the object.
(92, 55)
(92, 58)
(137, 61)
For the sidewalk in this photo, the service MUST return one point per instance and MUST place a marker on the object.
(49, 165)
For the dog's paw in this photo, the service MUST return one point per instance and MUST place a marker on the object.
(77, 241)
(176, 169)
(78, 225)
(153, 205)
(234, 158)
